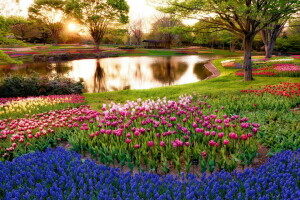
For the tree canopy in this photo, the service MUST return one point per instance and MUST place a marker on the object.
(98, 15)
(50, 13)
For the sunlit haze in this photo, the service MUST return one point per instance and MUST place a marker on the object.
(139, 9)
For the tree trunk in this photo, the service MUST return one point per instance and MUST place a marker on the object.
(232, 46)
(97, 45)
(247, 65)
(269, 36)
(269, 49)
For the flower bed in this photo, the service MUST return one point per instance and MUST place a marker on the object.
(160, 135)
(19, 136)
(163, 135)
(275, 70)
(60, 174)
(30, 105)
(296, 56)
(290, 90)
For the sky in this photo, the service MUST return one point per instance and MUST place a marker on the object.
(139, 9)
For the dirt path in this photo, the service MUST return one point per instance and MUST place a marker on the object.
(215, 72)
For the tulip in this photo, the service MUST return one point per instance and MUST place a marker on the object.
(233, 136)
(150, 143)
(244, 137)
(128, 141)
(203, 154)
(225, 142)
(162, 143)
(211, 143)
(220, 135)
(136, 146)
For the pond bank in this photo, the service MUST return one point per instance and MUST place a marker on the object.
(69, 56)
(213, 69)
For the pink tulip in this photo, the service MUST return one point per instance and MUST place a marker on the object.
(136, 146)
(211, 143)
(207, 133)
(244, 137)
(150, 143)
(128, 141)
(162, 143)
(203, 154)
(225, 142)
(128, 135)
(233, 136)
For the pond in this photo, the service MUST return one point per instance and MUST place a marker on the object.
(121, 73)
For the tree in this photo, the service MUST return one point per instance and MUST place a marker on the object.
(98, 15)
(50, 13)
(136, 30)
(166, 29)
(5, 39)
(244, 18)
(270, 34)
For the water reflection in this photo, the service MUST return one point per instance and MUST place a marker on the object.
(56, 68)
(167, 71)
(99, 79)
(121, 73)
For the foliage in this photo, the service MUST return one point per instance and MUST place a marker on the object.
(289, 43)
(65, 175)
(5, 37)
(27, 30)
(169, 30)
(98, 15)
(50, 13)
(34, 85)
(6, 58)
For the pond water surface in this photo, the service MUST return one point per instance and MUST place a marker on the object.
(121, 73)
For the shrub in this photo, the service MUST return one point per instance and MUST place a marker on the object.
(33, 85)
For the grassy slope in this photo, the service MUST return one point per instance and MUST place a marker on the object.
(227, 83)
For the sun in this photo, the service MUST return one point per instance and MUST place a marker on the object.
(72, 26)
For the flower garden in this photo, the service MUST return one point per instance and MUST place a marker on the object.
(189, 147)
(278, 67)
